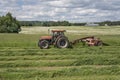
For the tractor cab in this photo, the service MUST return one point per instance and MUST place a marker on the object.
(56, 33)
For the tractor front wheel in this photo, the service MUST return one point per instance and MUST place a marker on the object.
(62, 42)
(43, 44)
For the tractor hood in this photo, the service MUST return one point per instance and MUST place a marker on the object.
(45, 37)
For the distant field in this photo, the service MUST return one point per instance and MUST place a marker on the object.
(21, 59)
(77, 30)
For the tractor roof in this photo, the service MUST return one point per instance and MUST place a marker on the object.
(58, 30)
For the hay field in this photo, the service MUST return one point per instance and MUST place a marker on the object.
(22, 59)
(78, 30)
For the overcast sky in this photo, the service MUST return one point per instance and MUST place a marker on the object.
(54, 10)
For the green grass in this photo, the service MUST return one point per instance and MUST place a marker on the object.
(21, 59)
(106, 77)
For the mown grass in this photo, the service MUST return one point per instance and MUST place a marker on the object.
(83, 71)
(22, 59)
(94, 77)
(18, 40)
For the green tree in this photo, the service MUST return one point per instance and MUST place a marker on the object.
(9, 24)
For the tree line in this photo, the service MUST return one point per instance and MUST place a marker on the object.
(109, 23)
(45, 23)
(50, 23)
(65, 23)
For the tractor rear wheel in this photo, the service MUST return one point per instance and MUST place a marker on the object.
(62, 42)
(99, 43)
(43, 44)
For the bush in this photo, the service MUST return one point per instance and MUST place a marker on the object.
(8, 24)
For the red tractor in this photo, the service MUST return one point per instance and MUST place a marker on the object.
(58, 39)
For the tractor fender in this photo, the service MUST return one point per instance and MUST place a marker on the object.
(49, 40)
(99, 43)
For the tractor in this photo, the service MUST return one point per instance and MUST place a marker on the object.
(57, 38)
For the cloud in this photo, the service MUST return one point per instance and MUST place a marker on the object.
(71, 10)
